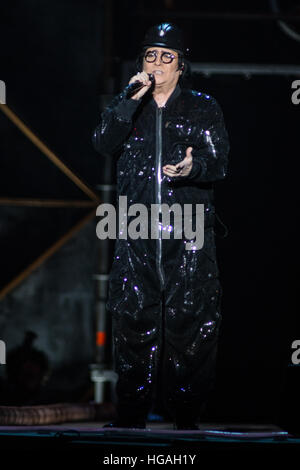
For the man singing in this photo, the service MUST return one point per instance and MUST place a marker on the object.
(171, 145)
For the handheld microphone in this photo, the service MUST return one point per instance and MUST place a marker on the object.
(137, 85)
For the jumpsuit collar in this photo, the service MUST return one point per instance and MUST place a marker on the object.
(176, 92)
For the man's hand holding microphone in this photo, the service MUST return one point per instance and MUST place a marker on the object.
(141, 82)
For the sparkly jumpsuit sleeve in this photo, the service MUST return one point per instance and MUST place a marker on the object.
(210, 157)
(115, 124)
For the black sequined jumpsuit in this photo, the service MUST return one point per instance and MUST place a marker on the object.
(164, 299)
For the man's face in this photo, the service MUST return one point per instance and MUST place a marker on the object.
(166, 74)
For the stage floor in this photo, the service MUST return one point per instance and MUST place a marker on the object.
(92, 443)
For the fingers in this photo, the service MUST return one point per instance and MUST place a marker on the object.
(188, 152)
(171, 170)
(142, 77)
(182, 168)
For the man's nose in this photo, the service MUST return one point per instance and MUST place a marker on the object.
(158, 60)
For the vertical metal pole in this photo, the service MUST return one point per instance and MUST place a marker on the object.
(99, 372)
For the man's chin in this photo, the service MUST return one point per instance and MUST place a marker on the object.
(159, 82)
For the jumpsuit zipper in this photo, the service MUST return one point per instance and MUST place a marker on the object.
(158, 194)
(159, 361)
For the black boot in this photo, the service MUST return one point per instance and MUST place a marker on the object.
(129, 417)
(185, 426)
(186, 416)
